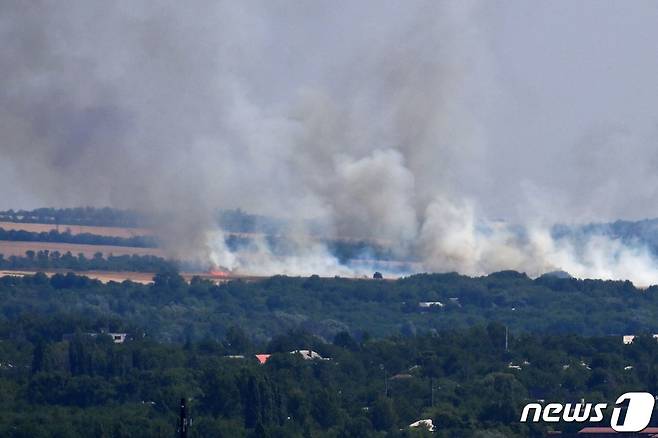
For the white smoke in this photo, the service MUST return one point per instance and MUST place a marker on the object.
(452, 238)
(372, 119)
(307, 257)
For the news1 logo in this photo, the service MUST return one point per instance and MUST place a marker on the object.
(636, 417)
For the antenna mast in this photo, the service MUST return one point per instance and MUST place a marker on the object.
(183, 422)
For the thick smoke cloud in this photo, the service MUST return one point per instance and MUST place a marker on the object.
(387, 121)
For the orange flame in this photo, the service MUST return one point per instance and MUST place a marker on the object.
(218, 273)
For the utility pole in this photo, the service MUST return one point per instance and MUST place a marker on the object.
(506, 340)
(432, 391)
(383, 368)
(184, 421)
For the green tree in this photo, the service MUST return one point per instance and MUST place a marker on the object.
(383, 415)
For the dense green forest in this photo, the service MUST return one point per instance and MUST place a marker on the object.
(393, 358)
(173, 310)
(470, 382)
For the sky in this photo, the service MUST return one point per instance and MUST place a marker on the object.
(579, 107)
(569, 87)
(418, 123)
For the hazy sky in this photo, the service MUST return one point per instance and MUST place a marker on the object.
(562, 97)
(578, 119)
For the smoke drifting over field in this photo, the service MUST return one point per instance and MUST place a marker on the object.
(391, 121)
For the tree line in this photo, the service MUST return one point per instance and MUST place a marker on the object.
(173, 309)
(48, 260)
(80, 238)
(107, 217)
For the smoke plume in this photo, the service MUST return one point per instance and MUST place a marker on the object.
(400, 123)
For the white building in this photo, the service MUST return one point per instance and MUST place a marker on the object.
(425, 424)
(118, 338)
(309, 355)
(428, 304)
(628, 339)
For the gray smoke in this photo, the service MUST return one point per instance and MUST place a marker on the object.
(414, 124)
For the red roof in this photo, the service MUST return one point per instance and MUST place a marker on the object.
(262, 358)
